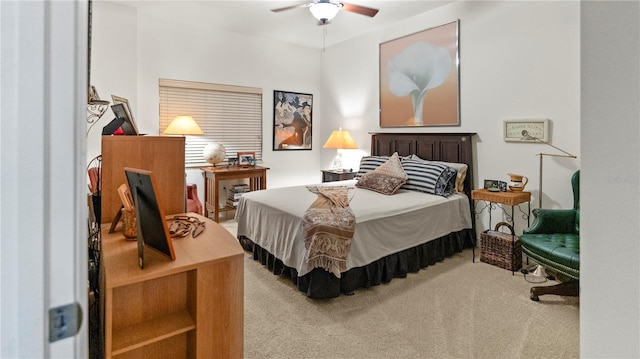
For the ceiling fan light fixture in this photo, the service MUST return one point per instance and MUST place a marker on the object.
(324, 11)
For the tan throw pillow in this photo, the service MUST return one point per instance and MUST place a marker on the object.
(380, 183)
(386, 178)
(393, 168)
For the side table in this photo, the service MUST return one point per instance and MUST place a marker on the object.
(257, 176)
(332, 176)
(509, 198)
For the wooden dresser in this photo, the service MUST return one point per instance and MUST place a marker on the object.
(192, 307)
(163, 155)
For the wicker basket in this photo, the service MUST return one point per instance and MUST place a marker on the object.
(501, 249)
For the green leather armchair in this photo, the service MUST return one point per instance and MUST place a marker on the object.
(553, 241)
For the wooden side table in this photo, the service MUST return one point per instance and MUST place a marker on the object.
(332, 176)
(257, 176)
(509, 198)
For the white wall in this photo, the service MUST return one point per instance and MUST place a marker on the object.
(518, 60)
(610, 186)
(113, 63)
(161, 49)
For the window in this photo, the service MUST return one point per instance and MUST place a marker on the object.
(229, 115)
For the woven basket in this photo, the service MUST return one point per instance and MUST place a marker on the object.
(501, 249)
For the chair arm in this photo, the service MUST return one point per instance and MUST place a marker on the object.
(550, 221)
(192, 194)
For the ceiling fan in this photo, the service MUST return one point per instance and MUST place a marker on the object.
(326, 10)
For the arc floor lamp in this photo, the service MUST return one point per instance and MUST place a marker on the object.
(528, 137)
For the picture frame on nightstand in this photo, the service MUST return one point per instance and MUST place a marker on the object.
(495, 185)
(246, 159)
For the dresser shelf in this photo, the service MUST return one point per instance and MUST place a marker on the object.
(151, 331)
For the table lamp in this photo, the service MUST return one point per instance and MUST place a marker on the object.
(527, 136)
(183, 125)
(340, 140)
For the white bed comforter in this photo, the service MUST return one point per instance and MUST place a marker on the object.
(384, 224)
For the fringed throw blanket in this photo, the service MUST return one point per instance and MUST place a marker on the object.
(328, 229)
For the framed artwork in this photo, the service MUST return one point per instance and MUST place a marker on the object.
(246, 158)
(419, 79)
(292, 119)
(122, 122)
(127, 108)
(526, 130)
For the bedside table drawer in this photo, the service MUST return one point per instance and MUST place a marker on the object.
(332, 176)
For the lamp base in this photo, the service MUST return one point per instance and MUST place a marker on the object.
(539, 275)
(539, 272)
(337, 163)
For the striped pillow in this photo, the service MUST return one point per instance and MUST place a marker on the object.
(370, 163)
(460, 167)
(429, 177)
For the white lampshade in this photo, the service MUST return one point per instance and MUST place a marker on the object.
(183, 125)
(324, 11)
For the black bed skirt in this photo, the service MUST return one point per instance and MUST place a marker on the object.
(320, 284)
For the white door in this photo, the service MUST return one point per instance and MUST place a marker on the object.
(43, 245)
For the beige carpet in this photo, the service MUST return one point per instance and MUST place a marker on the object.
(454, 309)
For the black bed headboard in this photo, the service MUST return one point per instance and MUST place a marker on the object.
(448, 147)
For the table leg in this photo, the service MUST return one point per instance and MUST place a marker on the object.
(216, 200)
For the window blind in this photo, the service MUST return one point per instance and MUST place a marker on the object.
(228, 115)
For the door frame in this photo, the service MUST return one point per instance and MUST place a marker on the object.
(43, 209)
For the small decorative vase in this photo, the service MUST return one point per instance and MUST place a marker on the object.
(129, 225)
(517, 182)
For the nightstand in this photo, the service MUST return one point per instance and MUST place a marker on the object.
(509, 198)
(332, 176)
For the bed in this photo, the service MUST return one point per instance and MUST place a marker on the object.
(394, 235)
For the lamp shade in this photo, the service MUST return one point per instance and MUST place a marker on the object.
(183, 125)
(340, 139)
(324, 11)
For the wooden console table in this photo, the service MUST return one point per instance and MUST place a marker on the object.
(257, 176)
(192, 307)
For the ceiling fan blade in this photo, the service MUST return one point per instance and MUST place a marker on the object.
(290, 7)
(362, 10)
